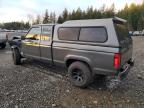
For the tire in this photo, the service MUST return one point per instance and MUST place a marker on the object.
(16, 57)
(3, 45)
(79, 74)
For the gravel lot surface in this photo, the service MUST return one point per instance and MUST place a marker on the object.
(39, 85)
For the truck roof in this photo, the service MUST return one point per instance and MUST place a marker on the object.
(87, 22)
(51, 24)
(92, 22)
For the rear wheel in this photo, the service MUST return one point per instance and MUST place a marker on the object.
(16, 57)
(79, 74)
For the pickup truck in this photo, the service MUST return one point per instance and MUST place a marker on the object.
(86, 47)
(3, 40)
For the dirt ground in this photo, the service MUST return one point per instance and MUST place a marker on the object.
(38, 85)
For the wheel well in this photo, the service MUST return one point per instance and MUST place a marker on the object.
(70, 61)
(16, 48)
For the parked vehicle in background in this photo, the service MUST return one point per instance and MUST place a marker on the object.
(0, 29)
(142, 33)
(16, 40)
(15, 35)
(137, 33)
(3, 40)
(86, 47)
(130, 33)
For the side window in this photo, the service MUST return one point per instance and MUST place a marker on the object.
(93, 34)
(68, 33)
(46, 33)
(34, 33)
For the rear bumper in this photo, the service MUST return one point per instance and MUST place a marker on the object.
(115, 73)
(122, 74)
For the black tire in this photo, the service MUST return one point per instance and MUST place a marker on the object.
(3, 46)
(79, 74)
(16, 57)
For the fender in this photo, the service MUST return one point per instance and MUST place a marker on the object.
(15, 47)
(79, 58)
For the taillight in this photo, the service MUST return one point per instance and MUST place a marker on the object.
(117, 58)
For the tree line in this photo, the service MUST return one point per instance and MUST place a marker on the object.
(48, 18)
(15, 25)
(133, 13)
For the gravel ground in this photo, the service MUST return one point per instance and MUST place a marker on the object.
(38, 85)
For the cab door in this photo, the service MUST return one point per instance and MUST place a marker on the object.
(45, 43)
(30, 45)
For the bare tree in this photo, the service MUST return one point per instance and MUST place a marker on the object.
(31, 19)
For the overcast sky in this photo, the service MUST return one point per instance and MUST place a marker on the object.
(17, 10)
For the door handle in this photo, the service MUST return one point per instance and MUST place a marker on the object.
(35, 42)
(27, 40)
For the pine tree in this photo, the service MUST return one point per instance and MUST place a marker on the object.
(65, 14)
(69, 16)
(54, 17)
(78, 14)
(51, 17)
(27, 25)
(89, 14)
(46, 17)
(141, 23)
(109, 12)
(84, 15)
(60, 19)
(102, 9)
(73, 15)
(134, 16)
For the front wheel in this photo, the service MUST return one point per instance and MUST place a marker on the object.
(79, 74)
(16, 57)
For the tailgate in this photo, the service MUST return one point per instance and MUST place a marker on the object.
(126, 51)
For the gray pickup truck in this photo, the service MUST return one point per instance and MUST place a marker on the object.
(3, 40)
(86, 47)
